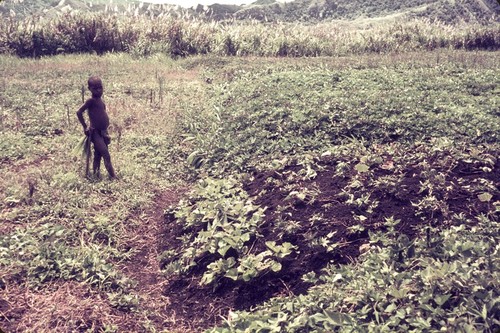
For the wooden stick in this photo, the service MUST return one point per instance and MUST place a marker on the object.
(87, 152)
(67, 113)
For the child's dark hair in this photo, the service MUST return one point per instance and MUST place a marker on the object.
(94, 80)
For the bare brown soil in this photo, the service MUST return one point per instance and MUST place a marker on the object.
(143, 267)
(201, 306)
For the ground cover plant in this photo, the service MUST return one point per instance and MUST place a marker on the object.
(328, 163)
(356, 193)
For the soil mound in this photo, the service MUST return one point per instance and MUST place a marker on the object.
(328, 216)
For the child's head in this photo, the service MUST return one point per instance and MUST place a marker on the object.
(95, 86)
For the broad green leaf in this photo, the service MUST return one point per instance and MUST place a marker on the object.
(390, 308)
(207, 278)
(276, 266)
(248, 275)
(317, 318)
(223, 250)
(361, 168)
(337, 318)
(271, 245)
(485, 197)
(441, 299)
(232, 274)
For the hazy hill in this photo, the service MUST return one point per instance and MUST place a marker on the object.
(271, 10)
(304, 10)
(218, 11)
(319, 10)
(466, 10)
(23, 8)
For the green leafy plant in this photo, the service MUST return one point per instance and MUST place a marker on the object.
(396, 286)
(225, 223)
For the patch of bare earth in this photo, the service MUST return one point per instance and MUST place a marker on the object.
(154, 310)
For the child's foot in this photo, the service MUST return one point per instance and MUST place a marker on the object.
(94, 177)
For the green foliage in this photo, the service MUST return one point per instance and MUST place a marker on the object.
(57, 227)
(223, 225)
(276, 113)
(447, 281)
(43, 254)
(383, 128)
(14, 146)
(370, 125)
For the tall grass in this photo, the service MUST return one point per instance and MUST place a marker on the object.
(140, 35)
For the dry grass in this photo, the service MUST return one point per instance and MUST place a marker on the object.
(55, 308)
(144, 36)
(132, 229)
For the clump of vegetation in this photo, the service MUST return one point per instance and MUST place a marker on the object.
(142, 36)
(64, 237)
(222, 224)
(277, 113)
(397, 285)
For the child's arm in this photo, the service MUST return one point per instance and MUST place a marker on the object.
(79, 114)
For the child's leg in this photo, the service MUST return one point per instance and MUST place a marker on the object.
(101, 148)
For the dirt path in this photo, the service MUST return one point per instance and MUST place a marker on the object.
(62, 304)
(143, 267)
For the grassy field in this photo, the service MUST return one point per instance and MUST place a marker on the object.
(355, 193)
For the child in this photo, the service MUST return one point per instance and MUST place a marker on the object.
(98, 130)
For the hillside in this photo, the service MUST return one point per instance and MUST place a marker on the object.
(318, 10)
(304, 10)
(24, 8)
(467, 10)
(271, 10)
